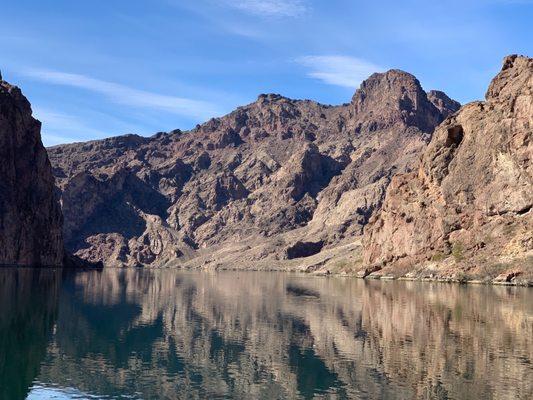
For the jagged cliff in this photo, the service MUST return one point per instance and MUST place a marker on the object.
(30, 215)
(466, 209)
(275, 181)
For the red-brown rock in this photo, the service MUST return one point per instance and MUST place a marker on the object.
(470, 199)
(250, 184)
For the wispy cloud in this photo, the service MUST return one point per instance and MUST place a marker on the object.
(125, 95)
(50, 139)
(339, 70)
(59, 128)
(271, 8)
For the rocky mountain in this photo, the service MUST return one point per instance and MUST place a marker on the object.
(465, 210)
(272, 183)
(30, 214)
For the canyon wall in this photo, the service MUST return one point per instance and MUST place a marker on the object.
(467, 205)
(30, 214)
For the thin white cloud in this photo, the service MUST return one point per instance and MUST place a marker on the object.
(59, 128)
(50, 140)
(271, 8)
(339, 70)
(125, 95)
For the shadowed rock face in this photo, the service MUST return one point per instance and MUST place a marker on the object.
(30, 215)
(469, 202)
(266, 176)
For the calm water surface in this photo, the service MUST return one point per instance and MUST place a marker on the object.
(165, 334)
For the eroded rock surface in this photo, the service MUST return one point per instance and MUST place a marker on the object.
(248, 186)
(467, 207)
(30, 215)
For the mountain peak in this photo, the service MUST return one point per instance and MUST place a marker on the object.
(397, 96)
(385, 86)
(512, 81)
(270, 97)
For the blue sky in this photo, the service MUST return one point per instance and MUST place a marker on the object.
(94, 69)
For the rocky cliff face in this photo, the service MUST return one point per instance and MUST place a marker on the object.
(278, 179)
(467, 207)
(30, 215)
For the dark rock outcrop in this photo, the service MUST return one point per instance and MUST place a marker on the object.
(303, 249)
(247, 185)
(467, 207)
(30, 215)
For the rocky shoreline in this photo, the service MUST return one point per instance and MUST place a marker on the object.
(502, 280)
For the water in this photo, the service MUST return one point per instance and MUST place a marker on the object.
(164, 334)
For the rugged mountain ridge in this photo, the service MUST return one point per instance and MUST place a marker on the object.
(30, 214)
(278, 179)
(465, 211)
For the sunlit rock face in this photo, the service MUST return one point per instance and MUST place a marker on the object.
(28, 311)
(30, 215)
(265, 176)
(469, 200)
(179, 335)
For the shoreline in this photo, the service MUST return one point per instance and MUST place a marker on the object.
(321, 273)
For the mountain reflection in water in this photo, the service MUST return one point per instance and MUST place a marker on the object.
(166, 334)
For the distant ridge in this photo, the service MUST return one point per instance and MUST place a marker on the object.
(273, 183)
